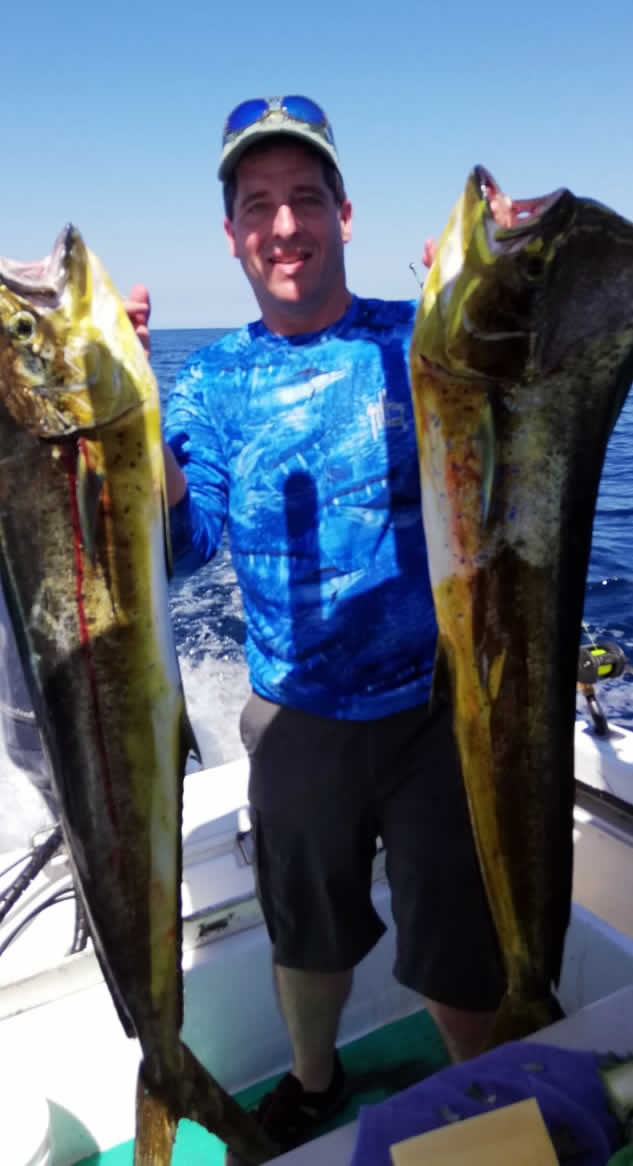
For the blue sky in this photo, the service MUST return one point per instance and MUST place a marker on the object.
(112, 118)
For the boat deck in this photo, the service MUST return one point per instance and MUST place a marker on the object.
(406, 1051)
(605, 1025)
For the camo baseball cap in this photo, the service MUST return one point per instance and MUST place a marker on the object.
(295, 116)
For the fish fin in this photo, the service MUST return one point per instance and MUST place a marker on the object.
(495, 674)
(518, 1017)
(169, 560)
(156, 1123)
(188, 742)
(88, 488)
(94, 930)
(441, 686)
(485, 442)
(205, 1101)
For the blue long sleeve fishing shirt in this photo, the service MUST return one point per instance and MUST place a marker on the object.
(305, 445)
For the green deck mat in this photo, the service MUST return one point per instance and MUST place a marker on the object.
(381, 1063)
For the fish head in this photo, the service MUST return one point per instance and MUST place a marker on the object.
(483, 298)
(70, 361)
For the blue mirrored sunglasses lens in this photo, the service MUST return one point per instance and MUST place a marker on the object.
(245, 115)
(304, 109)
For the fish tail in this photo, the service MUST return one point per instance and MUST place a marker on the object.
(156, 1124)
(191, 1092)
(205, 1101)
(518, 1017)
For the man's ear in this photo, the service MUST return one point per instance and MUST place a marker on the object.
(230, 237)
(345, 218)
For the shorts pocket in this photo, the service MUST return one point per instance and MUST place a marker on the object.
(255, 718)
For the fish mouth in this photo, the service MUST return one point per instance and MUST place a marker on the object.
(514, 216)
(43, 280)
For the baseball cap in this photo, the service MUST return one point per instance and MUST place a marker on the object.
(253, 120)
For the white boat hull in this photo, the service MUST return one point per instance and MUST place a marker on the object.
(60, 1031)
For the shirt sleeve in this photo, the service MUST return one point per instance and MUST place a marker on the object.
(197, 521)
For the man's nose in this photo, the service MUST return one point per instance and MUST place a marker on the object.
(285, 223)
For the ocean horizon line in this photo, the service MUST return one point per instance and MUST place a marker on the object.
(196, 328)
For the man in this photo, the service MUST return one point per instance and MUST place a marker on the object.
(298, 431)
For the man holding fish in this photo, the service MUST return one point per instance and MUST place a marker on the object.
(298, 431)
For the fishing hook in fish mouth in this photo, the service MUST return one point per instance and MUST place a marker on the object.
(510, 213)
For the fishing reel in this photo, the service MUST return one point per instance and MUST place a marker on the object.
(596, 662)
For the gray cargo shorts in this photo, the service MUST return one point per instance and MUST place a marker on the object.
(322, 791)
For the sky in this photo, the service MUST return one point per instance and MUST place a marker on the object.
(112, 117)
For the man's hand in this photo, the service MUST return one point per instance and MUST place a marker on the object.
(138, 308)
(428, 255)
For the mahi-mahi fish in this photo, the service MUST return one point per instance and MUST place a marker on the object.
(84, 554)
(521, 359)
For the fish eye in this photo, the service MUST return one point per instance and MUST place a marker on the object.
(534, 267)
(23, 326)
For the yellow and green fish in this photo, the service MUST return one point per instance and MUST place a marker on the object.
(84, 558)
(521, 359)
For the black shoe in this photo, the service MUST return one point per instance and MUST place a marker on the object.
(290, 1115)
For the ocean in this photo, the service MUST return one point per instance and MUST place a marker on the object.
(209, 629)
(207, 613)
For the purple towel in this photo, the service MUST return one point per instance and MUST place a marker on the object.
(565, 1083)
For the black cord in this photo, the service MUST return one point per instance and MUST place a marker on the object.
(58, 896)
(82, 927)
(16, 862)
(40, 855)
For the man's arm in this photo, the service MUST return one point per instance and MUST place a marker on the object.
(197, 506)
(199, 493)
(175, 480)
(138, 307)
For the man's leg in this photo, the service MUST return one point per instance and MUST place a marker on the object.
(464, 1033)
(447, 947)
(314, 841)
(311, 1004)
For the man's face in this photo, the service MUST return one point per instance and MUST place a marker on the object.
(288, 234)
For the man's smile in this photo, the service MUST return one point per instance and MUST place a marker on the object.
(290, 263)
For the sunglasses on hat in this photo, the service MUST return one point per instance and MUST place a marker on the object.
(294, 107)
